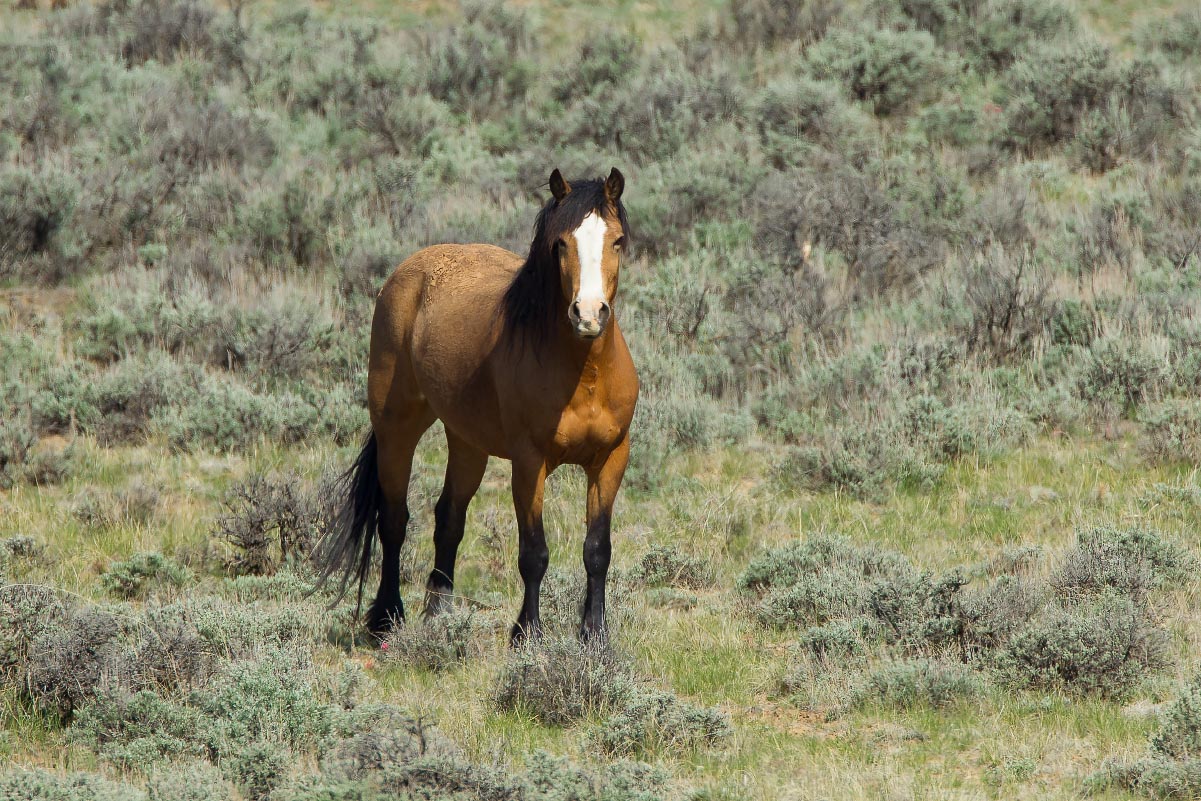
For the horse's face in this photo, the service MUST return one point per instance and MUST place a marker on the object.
(589, 260)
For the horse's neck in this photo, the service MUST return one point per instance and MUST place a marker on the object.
(589, 356)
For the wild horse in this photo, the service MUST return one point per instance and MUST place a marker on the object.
(519, 358)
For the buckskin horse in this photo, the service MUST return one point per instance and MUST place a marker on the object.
(520, 359)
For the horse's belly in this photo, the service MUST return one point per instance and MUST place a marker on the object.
(467, 404)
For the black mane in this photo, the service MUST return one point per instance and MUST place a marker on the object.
(530, 302)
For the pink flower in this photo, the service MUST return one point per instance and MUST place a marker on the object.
(383, 646)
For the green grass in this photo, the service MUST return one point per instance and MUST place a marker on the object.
(709, 651)
(474, 174)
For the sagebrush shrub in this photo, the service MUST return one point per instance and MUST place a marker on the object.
(22, 546)
(654, 111)
(1133, 561)
(1172, 431)
(1109, 235)
(1102, 647)
(37, 211)
(796, 115)
(887, 246)
(257, 768)
(164, 29)
(1103, 138)
(267, 698)
(132, 578)
(983, 619)
(69, 657)
(861, 460)
(405, 125)
(1050, 88)
(127, 397)
(482, 62)
(560, 680)
(920, 682)
(1007, 304)
(1005, 29)
(550, 778)
(1179, 736)
(604, 58)
(26, 613)
(1102, 639)
(764, 23)
(1152, 777)
(654, 721)
(708, 184)
(188, 781)
(391, 752)
(821, 579)
(440, 642)
(171, 653)
(769, 301)
(139, 730)
(991, 34)
(890, 70)
(236, 629)
(378, 737)
(135, 504)
(665, 566)
(270, 520)
(221, 415)
(37, 784)
(286, 584)
(1172, 768)
(1120, 375)
(1178, 35)
(291, 224)
(17, 440)
(838, 641)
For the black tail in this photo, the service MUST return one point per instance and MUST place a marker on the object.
(346, 548)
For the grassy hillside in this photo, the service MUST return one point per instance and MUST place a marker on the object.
(913, 497)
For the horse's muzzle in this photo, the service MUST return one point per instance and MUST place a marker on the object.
(589, 317)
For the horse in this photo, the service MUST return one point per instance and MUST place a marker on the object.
(521, 359)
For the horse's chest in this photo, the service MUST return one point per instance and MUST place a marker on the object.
(587, 427)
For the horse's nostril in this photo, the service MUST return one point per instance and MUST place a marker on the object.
(575, 309)
(604, 313)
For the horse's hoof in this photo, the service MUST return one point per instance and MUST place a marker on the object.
(594, 637)
(384, 619)
(521, 634)
(437, 601)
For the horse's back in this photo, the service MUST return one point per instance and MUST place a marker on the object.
(443, 282)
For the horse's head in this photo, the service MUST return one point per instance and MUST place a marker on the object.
(590, 238)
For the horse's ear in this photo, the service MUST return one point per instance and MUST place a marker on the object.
(614, 184)
(558, 186)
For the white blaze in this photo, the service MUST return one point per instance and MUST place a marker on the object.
(590, 244)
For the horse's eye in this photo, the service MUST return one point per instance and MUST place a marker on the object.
(620, 243)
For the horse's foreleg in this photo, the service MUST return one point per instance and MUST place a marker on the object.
(604, 480)
(464, 471)
(529, 478)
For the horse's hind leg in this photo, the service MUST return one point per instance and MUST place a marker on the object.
(397, 440)
(464, 470)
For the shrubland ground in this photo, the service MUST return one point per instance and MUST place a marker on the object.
(912, 509)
